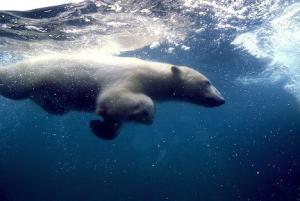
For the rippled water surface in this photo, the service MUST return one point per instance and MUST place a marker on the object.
(246, 150)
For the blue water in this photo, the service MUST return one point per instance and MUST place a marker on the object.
(245, 150)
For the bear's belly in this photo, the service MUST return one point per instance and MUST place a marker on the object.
(58, 100)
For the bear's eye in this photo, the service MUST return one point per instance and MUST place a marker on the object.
(207, 82)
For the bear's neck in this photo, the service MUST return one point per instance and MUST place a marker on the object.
(158, 84)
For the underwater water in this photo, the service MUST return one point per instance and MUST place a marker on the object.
(246, 150)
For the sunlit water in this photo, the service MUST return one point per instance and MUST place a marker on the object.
(247, 149)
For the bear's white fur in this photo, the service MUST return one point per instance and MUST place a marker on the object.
(117, 88)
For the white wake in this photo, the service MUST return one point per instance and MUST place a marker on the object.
(278, 41)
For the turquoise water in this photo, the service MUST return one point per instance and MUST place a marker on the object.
(247, 149)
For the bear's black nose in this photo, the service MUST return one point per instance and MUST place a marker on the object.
(222, 101)
(214, 101)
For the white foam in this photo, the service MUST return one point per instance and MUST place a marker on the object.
(184, 47)
(35, 28)
(129, 32)
(154, 45)
(31, 4)
(279, 41)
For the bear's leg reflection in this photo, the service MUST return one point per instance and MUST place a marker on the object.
(107, 129)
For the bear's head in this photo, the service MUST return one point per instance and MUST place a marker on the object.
(192, 86)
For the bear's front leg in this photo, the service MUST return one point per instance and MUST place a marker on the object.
(107, 129)
(120, 106)
(126, 106)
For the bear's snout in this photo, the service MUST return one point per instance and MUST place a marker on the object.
(214, 101)
(214, 98)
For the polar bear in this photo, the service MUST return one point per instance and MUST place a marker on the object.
(119, 89)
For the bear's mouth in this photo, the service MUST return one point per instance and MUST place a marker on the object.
(213, 101)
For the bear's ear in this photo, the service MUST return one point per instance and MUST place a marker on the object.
(175, 70)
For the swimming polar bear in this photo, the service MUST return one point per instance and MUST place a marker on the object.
(119, 89)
